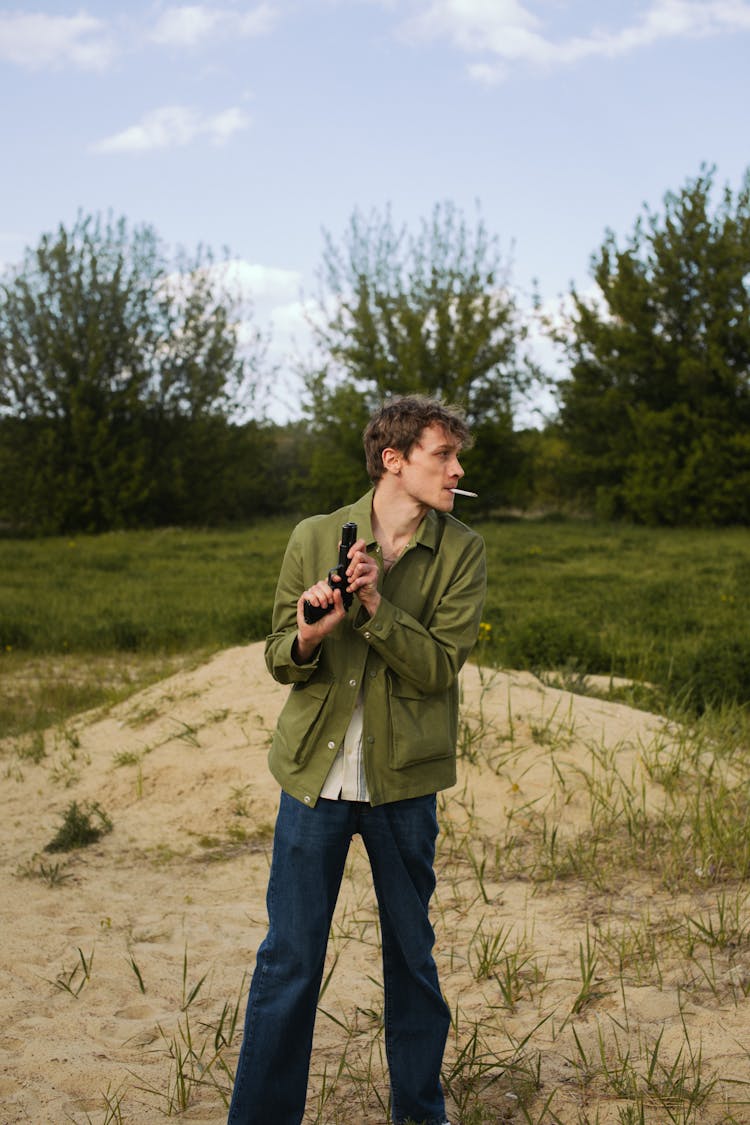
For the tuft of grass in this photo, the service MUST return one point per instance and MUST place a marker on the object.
(82, 825)
(52, 874)
(73, 980)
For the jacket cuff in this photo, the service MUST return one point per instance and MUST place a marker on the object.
(380, 625)
(295, 672)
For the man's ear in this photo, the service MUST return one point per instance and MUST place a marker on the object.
(392, 460)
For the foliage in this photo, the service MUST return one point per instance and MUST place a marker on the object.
(119, 373)
(333, 471)
(656, 410)
(430, 313)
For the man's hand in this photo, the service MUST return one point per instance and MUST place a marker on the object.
(309, 636)
(362, 580)
(363, 573)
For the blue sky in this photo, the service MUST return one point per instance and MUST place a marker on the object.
(253, 126)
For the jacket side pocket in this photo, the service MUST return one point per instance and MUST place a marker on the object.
(423, 727)
(301, 718)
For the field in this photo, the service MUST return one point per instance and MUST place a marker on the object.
(667, 609)
(592, 912)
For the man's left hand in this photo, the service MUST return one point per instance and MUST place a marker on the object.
(363, 574)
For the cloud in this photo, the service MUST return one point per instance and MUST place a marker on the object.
(184, 27)
(175, 126)
(505, 32)
(36, 40)
(191, 24)
(263, 283)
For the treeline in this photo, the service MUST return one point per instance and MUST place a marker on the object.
(131, 380)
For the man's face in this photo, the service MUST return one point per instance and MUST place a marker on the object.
(432, 469)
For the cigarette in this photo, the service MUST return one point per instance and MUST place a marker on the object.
(462, 492)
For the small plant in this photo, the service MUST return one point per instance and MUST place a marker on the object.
(112, 1105)
(189, 995)
(73, 980)
(196, 1056)
(127, 758)
(82, 825)
(588, 962)
(32, 747)
(52, 874)
(138, 974)
(188, 733)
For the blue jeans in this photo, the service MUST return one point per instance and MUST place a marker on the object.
(309, 852)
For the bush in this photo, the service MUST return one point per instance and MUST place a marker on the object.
(717, 673)
(549, 642)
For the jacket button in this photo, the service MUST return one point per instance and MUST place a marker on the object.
(373, 674)
(370, 738)
(307, 798)
(331, 745)
(352, 683)
(367, 636)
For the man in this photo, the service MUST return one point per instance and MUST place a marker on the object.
(365, 740)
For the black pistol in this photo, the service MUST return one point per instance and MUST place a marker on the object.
(313, 613)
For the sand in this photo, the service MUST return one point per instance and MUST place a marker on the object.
(102, 947)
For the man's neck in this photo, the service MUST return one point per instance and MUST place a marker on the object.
(395, 517)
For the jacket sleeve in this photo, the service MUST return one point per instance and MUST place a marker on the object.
(278, 651)
(430, 655)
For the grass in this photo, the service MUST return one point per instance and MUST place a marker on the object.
(85, 620)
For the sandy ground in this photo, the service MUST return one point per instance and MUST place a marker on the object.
(101, 948)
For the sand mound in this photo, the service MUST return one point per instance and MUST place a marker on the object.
(118, 960)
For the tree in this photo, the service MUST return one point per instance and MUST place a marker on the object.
(656, 409)
(401, 314)
(116, 364)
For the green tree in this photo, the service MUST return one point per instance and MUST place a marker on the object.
(430, 313)
(656, 409)
(117, 366)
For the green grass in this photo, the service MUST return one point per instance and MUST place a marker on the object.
(661, 606)
(664, 607)
(142, 591)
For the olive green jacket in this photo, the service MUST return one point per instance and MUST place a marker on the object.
(407, 657)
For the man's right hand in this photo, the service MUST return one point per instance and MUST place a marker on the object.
(310, 636)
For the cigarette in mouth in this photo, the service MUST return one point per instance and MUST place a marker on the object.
(462, 492)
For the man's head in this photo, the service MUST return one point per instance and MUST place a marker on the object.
(399, 424)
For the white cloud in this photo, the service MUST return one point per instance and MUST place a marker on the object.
(190, 24)
(258, 21)
(37, 40)
(268, 284)
(174, 127)
(184, 27)
(504, 32)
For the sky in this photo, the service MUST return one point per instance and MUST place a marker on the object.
(255, 127)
